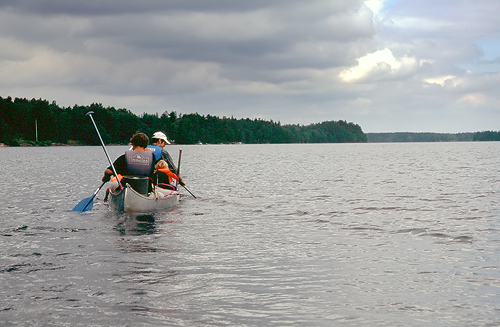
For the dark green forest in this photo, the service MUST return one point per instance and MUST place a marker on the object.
(419, 137)
(487, 136)
(38, 122)
(432, 137)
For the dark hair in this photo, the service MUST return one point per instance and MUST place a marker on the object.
(155, 140)
(140, 139)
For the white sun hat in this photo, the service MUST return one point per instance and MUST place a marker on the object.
(161, 136)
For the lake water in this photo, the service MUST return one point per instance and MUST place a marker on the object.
(281, 235)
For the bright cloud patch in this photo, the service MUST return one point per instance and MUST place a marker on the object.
(380, 64)
(374, 5)
(472, 99)
(441, 80)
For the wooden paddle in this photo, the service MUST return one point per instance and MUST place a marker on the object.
(178, 170)
(179, 176)
(185, 187)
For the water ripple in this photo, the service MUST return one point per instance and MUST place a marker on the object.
(316, 235)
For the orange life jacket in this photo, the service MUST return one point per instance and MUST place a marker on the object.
(169, 173)
(113, 178)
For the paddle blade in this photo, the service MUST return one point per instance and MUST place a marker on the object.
(85, 204)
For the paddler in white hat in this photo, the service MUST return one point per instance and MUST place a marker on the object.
(157, 146)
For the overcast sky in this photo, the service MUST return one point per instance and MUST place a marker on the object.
(389, 66)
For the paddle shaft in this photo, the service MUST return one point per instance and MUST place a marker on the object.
(102, 143)
(179, 176)
(194, 196)
(178, 170)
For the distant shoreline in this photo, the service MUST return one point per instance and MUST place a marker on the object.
(405, 137)
(372, 142)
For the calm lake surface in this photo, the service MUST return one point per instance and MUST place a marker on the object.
(281, 235)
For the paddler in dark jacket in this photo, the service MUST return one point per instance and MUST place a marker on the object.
(137, 162)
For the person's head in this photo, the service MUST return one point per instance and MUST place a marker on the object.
(139, 139)
(161, 164)
(160, 139)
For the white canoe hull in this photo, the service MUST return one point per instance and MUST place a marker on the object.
(131, 201)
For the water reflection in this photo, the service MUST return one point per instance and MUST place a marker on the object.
(134, 224)
(146, 270)
(140, 233)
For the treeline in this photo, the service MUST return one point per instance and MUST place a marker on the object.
(39, 122)
(487, 136)
(419, 137)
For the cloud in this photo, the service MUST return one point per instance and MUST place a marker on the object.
(387, 65)
(378, 65)
(440, 80)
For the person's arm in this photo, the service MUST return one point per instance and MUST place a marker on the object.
(118, 164)
(171, 174)
(166, 156)
(107, 175)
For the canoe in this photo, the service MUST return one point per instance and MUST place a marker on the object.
(129, 200)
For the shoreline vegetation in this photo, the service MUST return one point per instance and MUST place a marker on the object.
(37, 122)
(397, 137)
(400, 137)
(26, 122)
